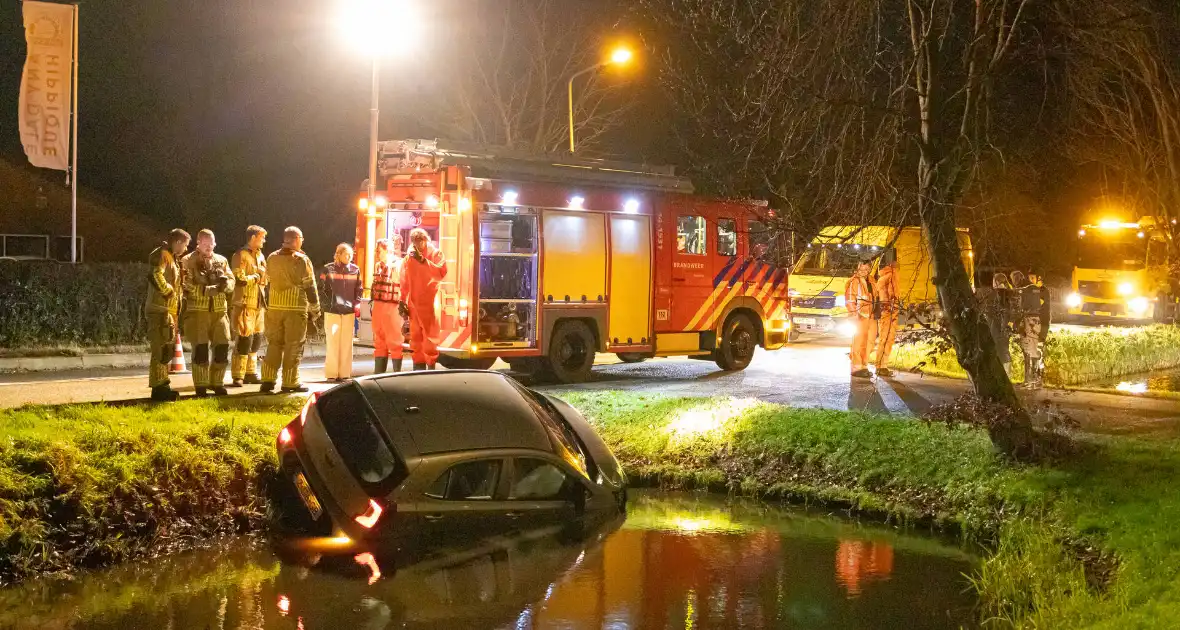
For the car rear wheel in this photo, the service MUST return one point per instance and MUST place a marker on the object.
(738, 340)
(476, 363)
(631, 357)
(571, 353)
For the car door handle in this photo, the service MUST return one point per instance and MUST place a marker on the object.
(433, 518)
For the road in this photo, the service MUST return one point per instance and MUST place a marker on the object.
(802, 375)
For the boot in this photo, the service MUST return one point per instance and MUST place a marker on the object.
(220, 391)
(379, 364)
(202, 392)
(237, 382)
(164, 393)
(395, 365)
(419, 367)
(266, 388)
(251, 379)
(1030, 373)
(295, 389)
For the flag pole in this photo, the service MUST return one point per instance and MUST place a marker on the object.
(74, 156)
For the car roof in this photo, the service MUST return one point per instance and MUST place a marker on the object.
(456, 410)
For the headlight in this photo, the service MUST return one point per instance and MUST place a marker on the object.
(841, 302)
(1139, 305)
(1126, 288)
(848, 329)
(1073, 300)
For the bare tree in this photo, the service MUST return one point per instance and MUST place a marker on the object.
(853, 113)
(510, 88)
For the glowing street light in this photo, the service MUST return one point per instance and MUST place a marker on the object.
(620, 56)
(376, 28)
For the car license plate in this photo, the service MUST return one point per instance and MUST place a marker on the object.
(309, 498)
(805, 321)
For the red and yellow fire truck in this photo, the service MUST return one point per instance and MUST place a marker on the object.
(551, 262)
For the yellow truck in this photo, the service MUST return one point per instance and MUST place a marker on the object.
(816, 284)
(1121, 272)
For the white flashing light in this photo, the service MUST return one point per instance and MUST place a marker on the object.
(432, 201)
(465, 204)
(631, 206)
(577, 203)
(380, 203)
(847, 329)
(1139, 305)
(1081, 232)
(1109, 224)
(1141, 235)
(509, 197)
(1126, 288)
(1073, 300)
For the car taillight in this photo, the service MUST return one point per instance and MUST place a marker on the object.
(285, 436)
(307, 405)
(369, 518)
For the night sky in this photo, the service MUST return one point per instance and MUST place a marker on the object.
(221, 114)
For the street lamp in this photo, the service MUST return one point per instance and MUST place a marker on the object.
(376, 28)
(619, 57)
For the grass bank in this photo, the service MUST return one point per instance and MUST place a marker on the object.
(89, 485)
(1091, 542)
(1071, 358)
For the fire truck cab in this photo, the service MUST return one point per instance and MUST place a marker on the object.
(550, 262)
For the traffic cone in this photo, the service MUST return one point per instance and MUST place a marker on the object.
(177, 366)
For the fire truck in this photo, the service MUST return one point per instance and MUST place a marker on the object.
(552, 261)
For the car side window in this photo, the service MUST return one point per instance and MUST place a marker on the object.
(537, 480)
(727, 237)
(469, 481)
(690, 235)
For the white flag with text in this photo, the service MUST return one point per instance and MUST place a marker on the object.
(46, 82)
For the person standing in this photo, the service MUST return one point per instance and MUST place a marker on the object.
(996, 303)
(208, 283)
(858, 299)
(248, 317)
(342, 279)
(292, 299)
(1028, 299)
(162, 308)
(425, 267)
(888, 297)
(388, 321)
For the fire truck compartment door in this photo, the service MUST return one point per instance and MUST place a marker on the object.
(630, 280)
(574, 256)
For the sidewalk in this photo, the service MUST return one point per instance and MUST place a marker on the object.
(130, 360)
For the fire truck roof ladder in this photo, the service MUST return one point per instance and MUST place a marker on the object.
(402, 156)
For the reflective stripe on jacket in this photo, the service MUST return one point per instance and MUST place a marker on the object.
(292, 281)
(387, 281)
(858, 297)
(164, 282)
(343, 284)
(198, 273)
(250, 273)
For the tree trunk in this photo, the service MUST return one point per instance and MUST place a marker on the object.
(968, 327)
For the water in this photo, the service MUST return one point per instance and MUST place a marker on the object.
(679, 561)
(1157, 381)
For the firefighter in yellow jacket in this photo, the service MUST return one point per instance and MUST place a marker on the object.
(247, 319)
(293, 298)
(163, 302)
(208, 283)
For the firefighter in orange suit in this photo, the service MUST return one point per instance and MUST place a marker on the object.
(248, 317)
(425, 267)
(293, 298)
(163, 303)
(208, 283)
(858, 296)
(387, 306)
(888, 307)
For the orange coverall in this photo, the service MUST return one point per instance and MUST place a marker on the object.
(858, 296)
(419, 288)
(887, 296)
(387, 321)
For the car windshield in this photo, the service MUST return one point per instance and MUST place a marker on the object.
(569, 445)
(829, 260)
(1099, 251)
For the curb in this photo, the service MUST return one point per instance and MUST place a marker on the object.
(117, 361)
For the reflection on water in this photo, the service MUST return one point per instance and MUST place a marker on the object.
(679, 561)
(1158, 381)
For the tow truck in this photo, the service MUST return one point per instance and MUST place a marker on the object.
(553, 260)
(1122, 272)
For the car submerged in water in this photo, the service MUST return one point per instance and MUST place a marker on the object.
(438, 458)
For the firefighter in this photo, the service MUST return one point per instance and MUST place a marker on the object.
(425, 267)
(1029, 328)
(858, 296)
(248, 317)
(996, 303)
(208, 283)
(888, 307)
(162, 308)
(388, 319)
(342, 280)
(292, 298)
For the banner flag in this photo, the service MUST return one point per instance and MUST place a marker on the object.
(45, 84)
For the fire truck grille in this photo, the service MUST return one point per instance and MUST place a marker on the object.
(815, 302)
(1098, 289)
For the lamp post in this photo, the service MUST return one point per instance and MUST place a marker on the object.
(376, 27)
(619, 57)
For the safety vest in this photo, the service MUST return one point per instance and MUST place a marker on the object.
(387, 281)
(858, 297)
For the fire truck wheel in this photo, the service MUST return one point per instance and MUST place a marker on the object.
(738, 340)
(631, 357)
(571, 352)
